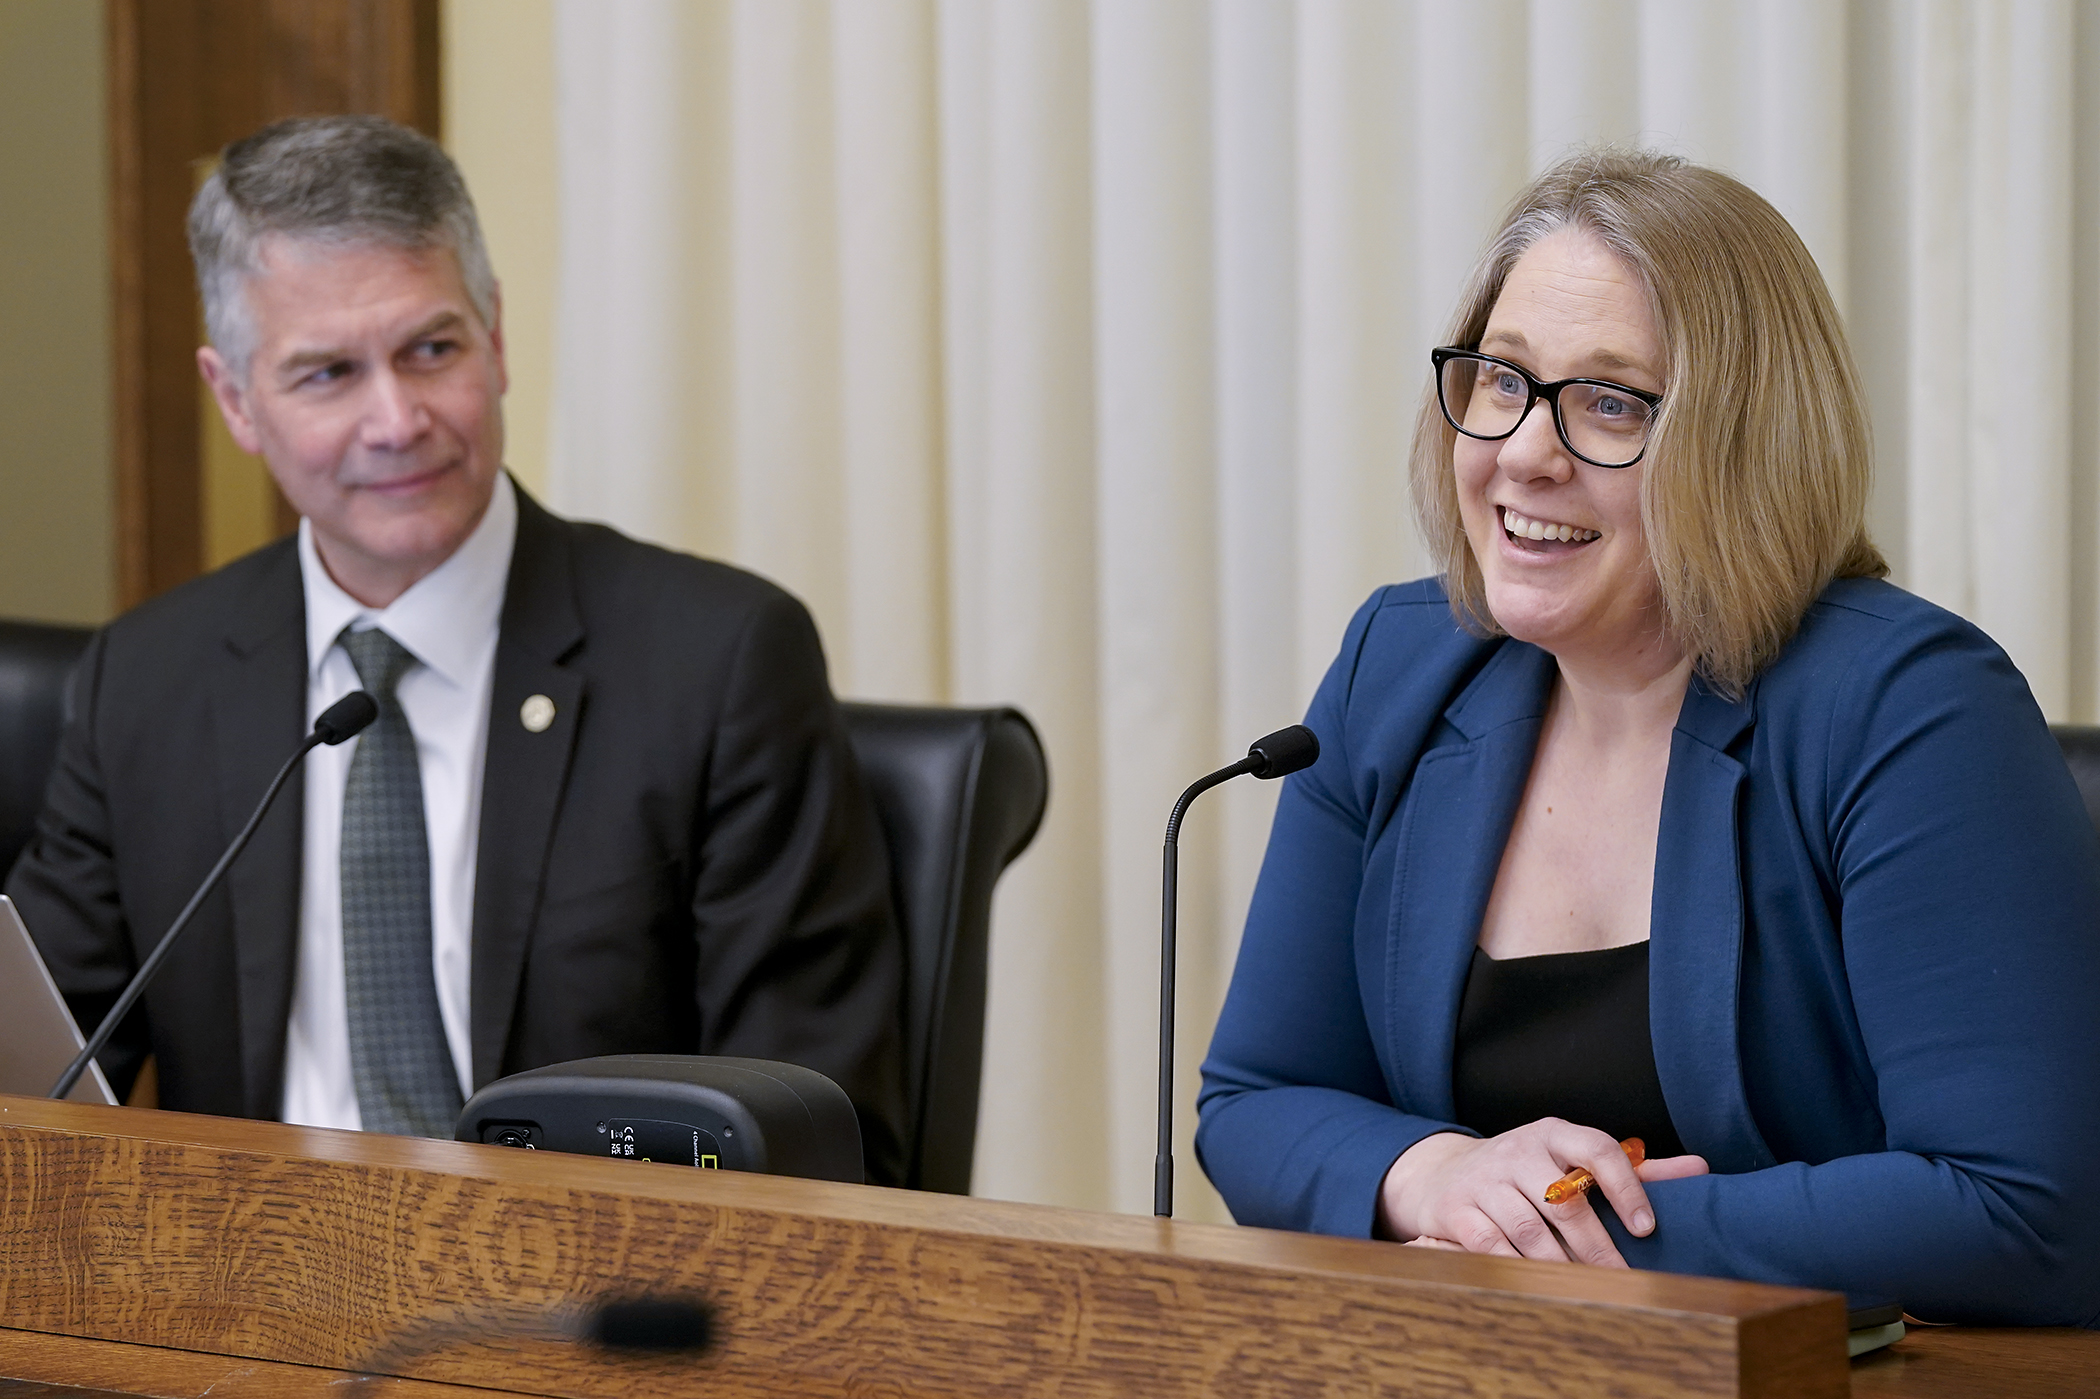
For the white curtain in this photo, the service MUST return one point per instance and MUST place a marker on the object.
(1064, 355)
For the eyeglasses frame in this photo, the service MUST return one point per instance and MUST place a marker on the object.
(1444, 354)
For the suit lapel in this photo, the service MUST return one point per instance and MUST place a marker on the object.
(1695, 950)
(258, 717)
(524, 772)
(1456, 822)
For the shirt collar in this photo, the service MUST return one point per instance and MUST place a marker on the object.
(445, 619)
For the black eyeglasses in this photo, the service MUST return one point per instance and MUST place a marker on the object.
(1602, 423)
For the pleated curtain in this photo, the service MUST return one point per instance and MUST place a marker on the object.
(1064, 355)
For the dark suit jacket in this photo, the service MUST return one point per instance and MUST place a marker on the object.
(1874, 975)
(684, 861)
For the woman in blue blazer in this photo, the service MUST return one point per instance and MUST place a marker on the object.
(1660, 718)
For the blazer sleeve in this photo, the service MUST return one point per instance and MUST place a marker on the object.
(65, 883)
(1969, 885)
(1297, 1125)
(800, 955)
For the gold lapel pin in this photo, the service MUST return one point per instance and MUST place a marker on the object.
(536, 714)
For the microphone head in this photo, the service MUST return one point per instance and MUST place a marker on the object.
(654, 1324)
(348, 716)
(1284, 752)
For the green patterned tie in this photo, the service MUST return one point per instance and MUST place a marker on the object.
(406, 1083)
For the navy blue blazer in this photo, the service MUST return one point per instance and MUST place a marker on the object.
(1874, 960)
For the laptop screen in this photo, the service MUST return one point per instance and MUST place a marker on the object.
(37, 1035)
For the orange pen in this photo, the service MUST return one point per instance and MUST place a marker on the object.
(1578, 1181)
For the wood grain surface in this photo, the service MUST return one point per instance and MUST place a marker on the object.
(1968, 1362)
(466, 1264)
(87, 1368)
(1941, 1363)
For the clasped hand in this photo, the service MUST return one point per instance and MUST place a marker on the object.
(1487, 1195)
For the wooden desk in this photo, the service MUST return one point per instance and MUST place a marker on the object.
(1962, 1362)
(145, 1247)
(1943, 1363)
(88, 1368)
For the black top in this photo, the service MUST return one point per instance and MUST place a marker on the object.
(1563, 1035)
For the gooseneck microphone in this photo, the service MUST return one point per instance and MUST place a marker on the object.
(1277, 755)
(340, 721)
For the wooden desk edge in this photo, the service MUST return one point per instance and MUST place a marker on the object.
(1929, 1363)
(1314, 1255)
(164, 1372)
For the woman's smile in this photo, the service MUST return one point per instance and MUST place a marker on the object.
(1533, 535)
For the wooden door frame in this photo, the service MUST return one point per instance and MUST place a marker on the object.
(185, 78)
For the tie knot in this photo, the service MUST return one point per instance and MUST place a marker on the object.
(380, 660)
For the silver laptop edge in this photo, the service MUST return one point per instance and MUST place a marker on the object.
(38, 1036)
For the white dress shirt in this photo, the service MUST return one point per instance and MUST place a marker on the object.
(448, 622)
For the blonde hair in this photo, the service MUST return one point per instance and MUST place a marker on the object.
(1754, 486)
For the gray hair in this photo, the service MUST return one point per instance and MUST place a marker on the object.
(348, 181)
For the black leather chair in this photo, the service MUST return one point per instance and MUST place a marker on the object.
(2081, 745)
(34, 663)
(960, 793)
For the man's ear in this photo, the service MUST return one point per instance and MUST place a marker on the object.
(231, 396)
(496, 337)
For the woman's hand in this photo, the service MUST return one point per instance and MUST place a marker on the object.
(1488, 1196)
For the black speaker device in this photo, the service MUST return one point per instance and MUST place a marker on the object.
(724, 1114)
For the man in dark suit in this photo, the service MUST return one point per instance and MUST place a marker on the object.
(607, 807)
